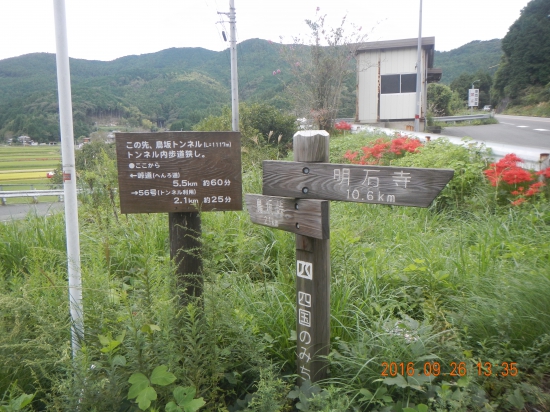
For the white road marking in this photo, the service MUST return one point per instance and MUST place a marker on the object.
(523, 126)
(542, 130)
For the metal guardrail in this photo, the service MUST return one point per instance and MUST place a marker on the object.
(461, 118)
(6, 194)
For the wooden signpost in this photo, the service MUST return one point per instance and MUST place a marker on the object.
(182, 174)
(291, 202)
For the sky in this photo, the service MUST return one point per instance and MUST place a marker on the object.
(108, 29)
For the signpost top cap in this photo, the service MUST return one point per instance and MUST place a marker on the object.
(310, 133)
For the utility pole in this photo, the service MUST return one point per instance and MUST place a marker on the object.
(69, 175)
(234, 74)
(418, 75)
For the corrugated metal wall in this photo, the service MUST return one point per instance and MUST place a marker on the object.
(367, 86)
(373, 107)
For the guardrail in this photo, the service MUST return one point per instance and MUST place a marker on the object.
(461, 118)
(7, 194)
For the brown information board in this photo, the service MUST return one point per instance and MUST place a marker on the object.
(179, 171)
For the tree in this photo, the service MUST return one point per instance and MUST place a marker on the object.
(526, 47)
(255, 119)
(439, 99)
(483, 82)
(319, 72)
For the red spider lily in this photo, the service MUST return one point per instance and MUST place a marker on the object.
(534, 189)
(342, 126)
(382, 150)
(351, 156)
(510, 178)
(515, 175)
(545, 173)
(518, 201)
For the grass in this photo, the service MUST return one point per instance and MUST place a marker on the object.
(467, 282)
(541, 109)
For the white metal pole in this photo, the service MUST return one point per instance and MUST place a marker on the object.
(234, 76)
(418, 75)
(69, 175)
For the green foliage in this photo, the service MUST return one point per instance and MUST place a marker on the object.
(467, 161)
(321, 68)
(440, 100)
(185, 400)
(142, 389)
(464, 283)
(531, 101)
(270, 394)
(526, 47)
(256, 120)
(469, 58)
(463, 83)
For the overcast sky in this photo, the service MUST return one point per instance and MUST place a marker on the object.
(108, 29)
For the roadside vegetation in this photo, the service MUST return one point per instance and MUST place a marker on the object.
(458, 290)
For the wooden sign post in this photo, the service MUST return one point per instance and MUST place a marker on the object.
(182, 174)
(289, 192)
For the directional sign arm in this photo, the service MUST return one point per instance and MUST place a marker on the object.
(305, 217)
(400, 186)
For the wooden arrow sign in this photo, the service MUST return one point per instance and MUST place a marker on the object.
(305, 217)
(388, 185)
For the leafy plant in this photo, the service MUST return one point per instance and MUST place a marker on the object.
(142, 389)
(17, 404)
(185, 400)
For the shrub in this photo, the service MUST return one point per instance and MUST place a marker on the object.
(514, 184)
(384, 151)
(257, 120)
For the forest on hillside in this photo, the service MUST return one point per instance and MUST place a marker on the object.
(173, 88)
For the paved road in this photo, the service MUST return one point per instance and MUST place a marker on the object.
(20, 211)
(513, 130)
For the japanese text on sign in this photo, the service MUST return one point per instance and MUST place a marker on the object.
(179, 171)
(304, 270)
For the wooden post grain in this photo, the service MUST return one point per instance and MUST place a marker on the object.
(185, 252)
(312, 276)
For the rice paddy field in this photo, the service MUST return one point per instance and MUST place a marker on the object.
(25, 167)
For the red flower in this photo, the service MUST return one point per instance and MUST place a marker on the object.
(342, 126)
(534, 189)
(515, 175)
(545, 173)
(518, 201)
(350, 155)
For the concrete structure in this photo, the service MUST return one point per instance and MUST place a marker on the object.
(386, 82)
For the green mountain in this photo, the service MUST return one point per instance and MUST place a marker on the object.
(175, 87)
(470, 58)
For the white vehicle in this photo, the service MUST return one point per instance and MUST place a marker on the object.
(487, 108)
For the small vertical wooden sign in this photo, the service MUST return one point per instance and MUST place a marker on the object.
(312, 277)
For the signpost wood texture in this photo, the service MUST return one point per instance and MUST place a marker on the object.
(180, 173)
(301, 216)
(186, 253)
(311, 177)
(312, 277)
(400, 186)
